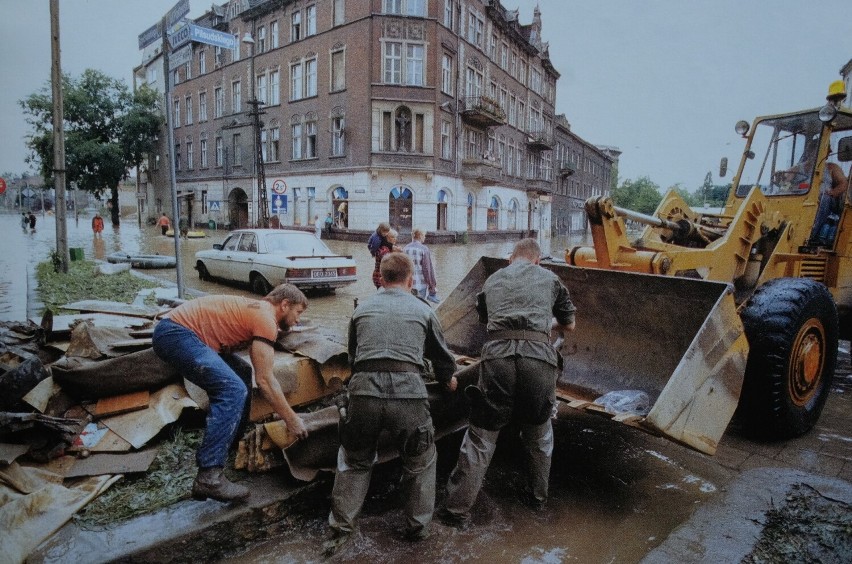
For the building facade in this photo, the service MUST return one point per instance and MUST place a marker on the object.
(582, 170)
(437, 114)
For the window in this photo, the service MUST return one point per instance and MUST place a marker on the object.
(269, 139)
(177, 156)
(203, 149)
(202, 61)
(492, 48)
(260, 85)
(310, 139)
(296, 26)
(474, 144)
(261, 39)
(188, 70)
(405, 7)
(303, 79)
(473, 85)
(535, 80)
(310, 20)
(188, 108)
(338, 8)
(296, 130)
(273, 32)
(175, 77)
(235, 53)
(236, 150)
(338, 70)
(337, 139)
(394, 63)
(176, 116)
(449, 11)
(236, 97)
(219, 152)
(274, 97)
(202, 106)
(475, 27)
(447, 74)
(219, 96)
(513, 64)
(446, 140)
(310, 78)
(296, 81)
(504, 55)
(151, 74)
(190, 161)
(522, 72)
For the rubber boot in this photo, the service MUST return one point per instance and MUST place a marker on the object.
(212, 483)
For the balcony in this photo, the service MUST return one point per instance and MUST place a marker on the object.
(567, 169)
(539, 141)
(481, 170)
(482, 111)
(538, 186)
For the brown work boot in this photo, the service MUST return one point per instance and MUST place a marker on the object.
(212, 483)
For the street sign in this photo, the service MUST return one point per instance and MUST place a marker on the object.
(177, 12)
(2, 185)
(179, 37)
(212, 37)
(214, 205)
(279, 187)
(181, 56)
(150, 35)
(279, 204)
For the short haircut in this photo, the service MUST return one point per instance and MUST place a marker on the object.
(383, 228)
(286, 292)
(418, 234)
(392, 233)
(396, 267)
(528, 249)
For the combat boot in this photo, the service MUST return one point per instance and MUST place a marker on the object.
(212, 483)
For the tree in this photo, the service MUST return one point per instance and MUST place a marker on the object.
(641, 195)
(107, 130)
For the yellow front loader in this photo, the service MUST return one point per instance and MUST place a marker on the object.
(711, 313)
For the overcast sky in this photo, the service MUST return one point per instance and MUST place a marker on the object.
(662, 80)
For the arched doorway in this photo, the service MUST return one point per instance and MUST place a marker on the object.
(470, 212)
(238, 209)
(340, 205)
(492, 223)
(399, 208)
(513, 214)
(442, 210)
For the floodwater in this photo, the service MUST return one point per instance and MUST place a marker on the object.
(616, 492)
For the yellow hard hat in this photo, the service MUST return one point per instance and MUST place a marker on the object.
(836, 90)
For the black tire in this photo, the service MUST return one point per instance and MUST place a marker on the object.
(792, 329)
(203, 273)
(259, 285)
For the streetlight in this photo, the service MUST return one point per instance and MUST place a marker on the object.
(262, 204)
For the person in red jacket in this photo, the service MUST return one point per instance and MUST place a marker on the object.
(97, 224)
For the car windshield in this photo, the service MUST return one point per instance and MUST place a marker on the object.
(301, 244)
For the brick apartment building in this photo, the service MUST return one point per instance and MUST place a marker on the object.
(436, 114)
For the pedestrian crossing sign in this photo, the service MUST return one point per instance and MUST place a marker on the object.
(214, 205)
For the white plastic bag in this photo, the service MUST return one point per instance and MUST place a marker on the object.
(625, 401)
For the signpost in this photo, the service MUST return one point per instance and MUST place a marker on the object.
(2, 185)
(279, 187)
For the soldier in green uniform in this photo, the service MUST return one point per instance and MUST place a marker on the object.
(521, 304)
(390, 334)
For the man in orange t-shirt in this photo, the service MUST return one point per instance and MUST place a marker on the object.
(198, 338)
(164, 223)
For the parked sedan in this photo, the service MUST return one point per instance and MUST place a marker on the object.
(264, 258)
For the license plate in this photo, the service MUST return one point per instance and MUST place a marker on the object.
(324, 273)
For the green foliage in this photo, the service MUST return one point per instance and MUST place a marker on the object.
(168, 481)
(641, 195)
(82, 282)
(108, 129)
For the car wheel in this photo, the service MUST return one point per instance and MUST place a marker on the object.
(203, 274)
(259, 284)
(792, 328)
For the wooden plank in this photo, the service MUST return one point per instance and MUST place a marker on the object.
(115, 308)
(99, 464)
(124, 403)
(131, 344)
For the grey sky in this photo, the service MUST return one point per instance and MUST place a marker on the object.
(663, 80)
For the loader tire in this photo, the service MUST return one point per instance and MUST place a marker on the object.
(792, 329)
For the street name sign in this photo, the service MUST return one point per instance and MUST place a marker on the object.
(181, 57)
(212, 37)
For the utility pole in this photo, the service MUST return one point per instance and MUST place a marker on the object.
(262, 201)
(58, 141)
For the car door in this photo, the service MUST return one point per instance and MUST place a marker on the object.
(219, 265)
(243, 257)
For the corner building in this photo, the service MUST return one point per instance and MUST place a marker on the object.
(436, 114)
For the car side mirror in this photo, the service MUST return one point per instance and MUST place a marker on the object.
(844, 149)
(217, 246)
(723, 167)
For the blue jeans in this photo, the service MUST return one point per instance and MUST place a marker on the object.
(226, 378)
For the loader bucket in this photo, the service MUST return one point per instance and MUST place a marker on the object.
(678, 340)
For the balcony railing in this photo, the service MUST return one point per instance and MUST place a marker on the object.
(567, 169)
(483, 111)
(540, 140)
(481, 170)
